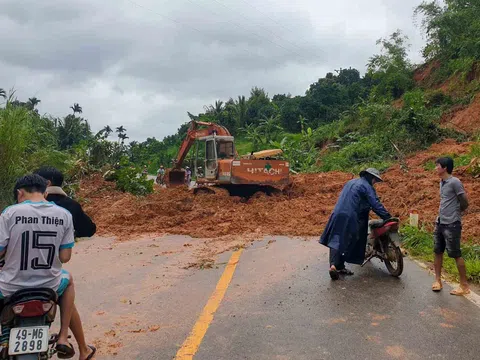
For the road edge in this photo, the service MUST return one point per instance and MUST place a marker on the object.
(472, 297)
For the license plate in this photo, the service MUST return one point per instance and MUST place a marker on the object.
(28, 340)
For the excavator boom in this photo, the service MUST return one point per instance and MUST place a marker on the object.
(197, 129)
(195, 133)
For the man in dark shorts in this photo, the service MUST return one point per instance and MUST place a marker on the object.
(448, 227)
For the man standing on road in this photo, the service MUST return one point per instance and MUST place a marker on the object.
(347, 229)
(448, 227)
(83, 225)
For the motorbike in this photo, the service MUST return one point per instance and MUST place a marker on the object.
(160, 180)
(384, 243)
(26, 318)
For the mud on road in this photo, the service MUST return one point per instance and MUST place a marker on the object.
(302, 212)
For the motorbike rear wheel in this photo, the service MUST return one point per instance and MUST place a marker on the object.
(394, 261)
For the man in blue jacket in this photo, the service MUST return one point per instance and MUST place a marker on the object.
(347, 229)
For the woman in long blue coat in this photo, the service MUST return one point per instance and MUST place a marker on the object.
(347, 229)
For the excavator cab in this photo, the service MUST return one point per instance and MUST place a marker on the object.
(217, 148)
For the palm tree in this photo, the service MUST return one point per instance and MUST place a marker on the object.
(104, 133)
(257, 92)
(253, 134)
(76, 108)
(107, 130)
(72, 130)
(121, 130)
(32, 102)
(3, 93)
(192, 117)
(123, 137)
(241, 108)
(270, 127)
(215, 110)
(218, 107)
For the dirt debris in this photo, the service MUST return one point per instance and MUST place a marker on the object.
(303, 212)
(465, 119)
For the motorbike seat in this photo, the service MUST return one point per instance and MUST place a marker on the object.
(43, 294)
(375, 224)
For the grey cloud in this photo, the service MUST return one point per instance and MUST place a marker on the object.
(45, 11)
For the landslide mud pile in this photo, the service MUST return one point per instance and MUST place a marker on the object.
(466, 118)
(303, 212)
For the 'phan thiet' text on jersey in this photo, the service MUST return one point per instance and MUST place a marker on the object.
(33, 233)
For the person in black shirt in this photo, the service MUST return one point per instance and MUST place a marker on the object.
(83, 225)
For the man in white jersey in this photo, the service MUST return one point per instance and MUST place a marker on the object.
(36, 238)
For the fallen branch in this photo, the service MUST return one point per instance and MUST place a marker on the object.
(401, 157)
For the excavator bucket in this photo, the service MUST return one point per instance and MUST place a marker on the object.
(175, 177)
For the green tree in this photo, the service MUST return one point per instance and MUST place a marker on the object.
(254, 135)
(104, 133)
(121, 133)
(72, 130)
(228, 116)
(76, 108)
(15, 137)
(324, 100)
(33, 102)
(3, 94)
(391, 70)
(123, 137)
(241, 109)
(215, 110)
(121, 129)
(452, 28)
(289, 111)
(270, 128)
(259, 106)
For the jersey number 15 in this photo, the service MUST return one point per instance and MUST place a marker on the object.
(36, 244)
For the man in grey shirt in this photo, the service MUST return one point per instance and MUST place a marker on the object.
(448, 227)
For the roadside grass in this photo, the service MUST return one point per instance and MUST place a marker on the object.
(419, 244)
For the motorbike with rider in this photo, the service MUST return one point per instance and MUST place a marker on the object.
(346, 232)
(161, 175)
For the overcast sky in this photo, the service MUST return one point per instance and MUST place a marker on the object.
(145, 63)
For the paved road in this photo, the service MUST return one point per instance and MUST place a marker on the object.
(139, 303)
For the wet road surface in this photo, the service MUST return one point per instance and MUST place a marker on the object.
(139, 300)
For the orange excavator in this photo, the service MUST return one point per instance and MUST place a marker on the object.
(218, 163)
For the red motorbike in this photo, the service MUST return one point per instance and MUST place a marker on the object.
(384, 244)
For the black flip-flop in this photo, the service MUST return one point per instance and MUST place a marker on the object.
(346, 272)
(334, 274)
(94, 350)
(65, 351)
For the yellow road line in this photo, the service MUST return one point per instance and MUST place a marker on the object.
(192, 343)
